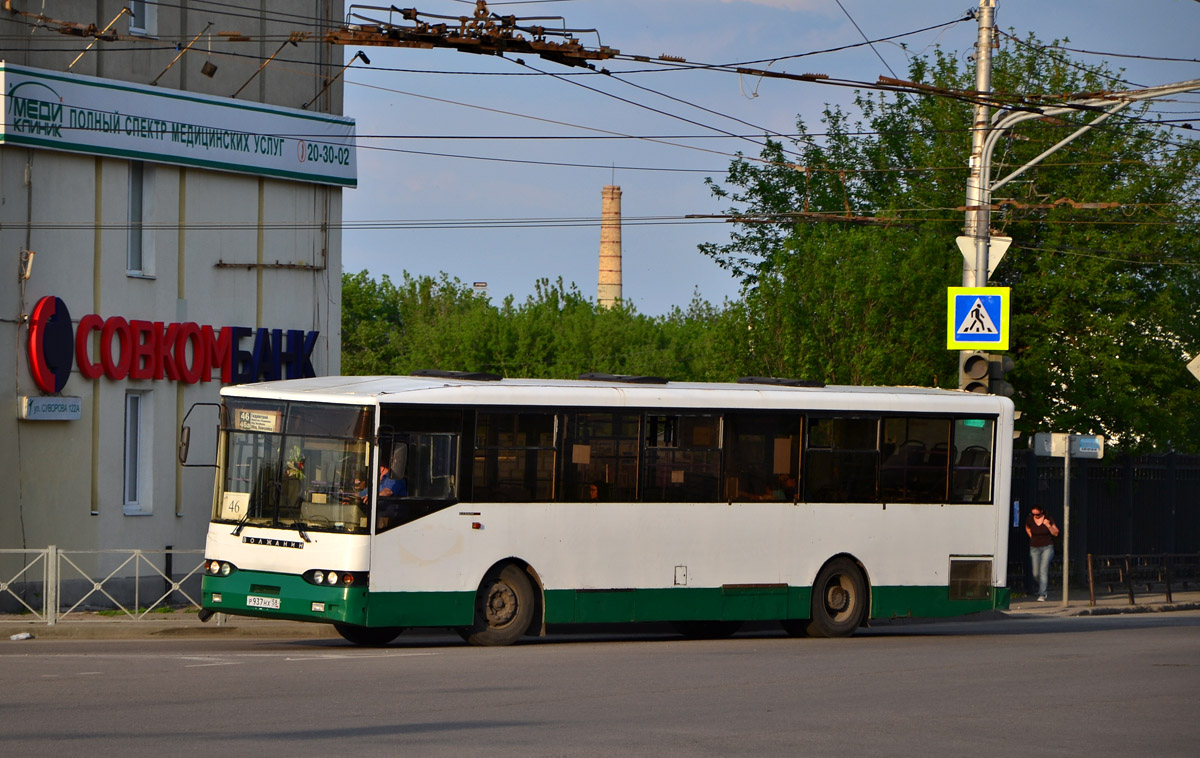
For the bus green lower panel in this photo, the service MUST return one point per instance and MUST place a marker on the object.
(254, 593)
(676, 604)
(753, 603)
(1003, 597)
(931, 602)
(421, 609)
(249, 593)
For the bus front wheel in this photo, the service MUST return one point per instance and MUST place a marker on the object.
(368, 636)
(839, 600)
(503, 608)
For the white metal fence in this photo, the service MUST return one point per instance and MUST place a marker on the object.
(52, 585)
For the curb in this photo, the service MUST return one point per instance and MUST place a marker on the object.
(1115, 611)
(186, 628)
(246, 628)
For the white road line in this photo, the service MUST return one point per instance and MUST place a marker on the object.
(352, 656)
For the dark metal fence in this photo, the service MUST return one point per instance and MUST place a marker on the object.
(1123, 505)
(1131, 575)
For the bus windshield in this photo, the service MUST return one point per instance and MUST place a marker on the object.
(292, 465)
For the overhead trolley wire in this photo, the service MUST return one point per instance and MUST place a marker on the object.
(1045, 49)
(608, 134)
(659, 111)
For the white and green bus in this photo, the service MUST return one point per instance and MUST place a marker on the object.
(500, 506)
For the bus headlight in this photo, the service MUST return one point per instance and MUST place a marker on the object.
(219, 568)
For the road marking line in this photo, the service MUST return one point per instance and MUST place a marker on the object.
(350, 656)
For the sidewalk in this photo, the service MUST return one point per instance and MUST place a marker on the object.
(1079, 605)
(177, 625)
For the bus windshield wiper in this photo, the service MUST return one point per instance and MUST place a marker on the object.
(299, 527)
(241, 524)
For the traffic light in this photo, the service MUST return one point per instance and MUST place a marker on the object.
(998, 366)
(974, 372)
(984, 373)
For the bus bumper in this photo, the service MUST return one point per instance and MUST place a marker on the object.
(282, 596)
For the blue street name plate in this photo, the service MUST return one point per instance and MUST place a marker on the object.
(51, 408)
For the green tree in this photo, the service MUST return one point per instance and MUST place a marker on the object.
(1105, 282)
(446, 325)
(423, 323)
(371, 324)
(557, 332)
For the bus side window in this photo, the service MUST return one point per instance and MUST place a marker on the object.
(841, 461)
(602, 457)
(971, 476)
(762, 455)
(514, 457)
(682, 459)
(420, 447)
(915, 461)
(443, 463)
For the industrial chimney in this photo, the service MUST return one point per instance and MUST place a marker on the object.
(609, 290)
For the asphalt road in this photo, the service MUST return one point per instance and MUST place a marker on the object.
(1095, 686)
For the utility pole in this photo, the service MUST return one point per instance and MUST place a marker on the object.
(986, 133)
(978, 218)
(978, 194)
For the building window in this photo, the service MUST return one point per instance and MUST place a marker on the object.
(143, 18)
(138, 447)
(140, 258)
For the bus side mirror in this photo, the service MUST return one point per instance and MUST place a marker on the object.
(185, 440)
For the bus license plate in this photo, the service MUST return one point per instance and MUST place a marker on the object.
(254, 601)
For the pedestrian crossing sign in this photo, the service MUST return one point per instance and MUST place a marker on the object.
(977, 318)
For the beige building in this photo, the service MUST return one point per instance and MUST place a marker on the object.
(174, 184)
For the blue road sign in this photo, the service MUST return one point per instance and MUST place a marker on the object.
(977, 318)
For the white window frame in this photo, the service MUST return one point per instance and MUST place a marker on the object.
(136, 475)
(139, 258)
(143, 18)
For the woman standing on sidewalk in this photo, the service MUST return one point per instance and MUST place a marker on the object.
(1042, 531)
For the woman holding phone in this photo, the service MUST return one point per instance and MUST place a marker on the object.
(1041, 530)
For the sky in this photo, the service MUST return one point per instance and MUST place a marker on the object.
(484, 170)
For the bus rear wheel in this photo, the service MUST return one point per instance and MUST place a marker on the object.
(368, 636)
(503, 608)
(839, 600)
